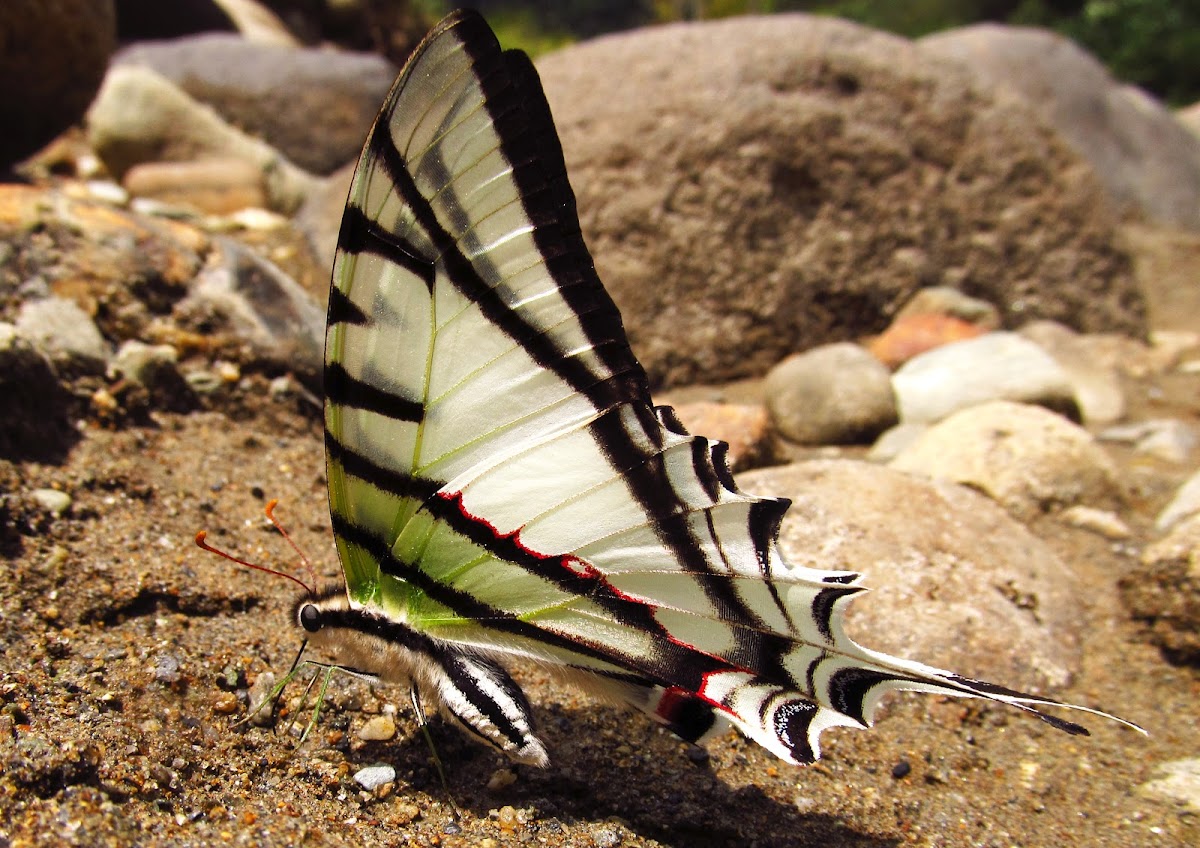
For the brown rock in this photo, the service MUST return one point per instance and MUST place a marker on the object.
(752, 182)
(745, 429)
(910, 335)
(977, 592)
(214, 186)
(1164, 592)
(1025, 457)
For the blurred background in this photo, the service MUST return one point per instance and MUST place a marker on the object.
(1152, 43)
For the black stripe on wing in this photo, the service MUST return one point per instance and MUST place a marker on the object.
(362, 234)
(343, 389)
(381, 477)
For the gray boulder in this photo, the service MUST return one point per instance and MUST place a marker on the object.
(1146, 158)
(313, 105)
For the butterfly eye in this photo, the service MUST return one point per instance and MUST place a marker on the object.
(310, 618)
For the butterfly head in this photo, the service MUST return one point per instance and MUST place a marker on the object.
(319, 612)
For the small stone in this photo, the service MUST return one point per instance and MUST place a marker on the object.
(744, 428)
(1102, 521)
(64, 332)
(895, 441)
(371, 778)
(1186, 502)
(1025, 457)
(901, 769)
(226, 703)
(507, 818)
(833, 394)
(911, 335)
(156, 368)
(501, 779)
(944, 300)
(166, 669)
(379, 728)
(1168, 439)
(52, 500)
(406, 812)
(260, 690)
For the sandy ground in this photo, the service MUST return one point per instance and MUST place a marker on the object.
(128, 653)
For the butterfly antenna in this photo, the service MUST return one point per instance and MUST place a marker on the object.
(270, 510)
(203, 545)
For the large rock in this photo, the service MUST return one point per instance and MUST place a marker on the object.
(956, 582)
(1145, 157)
(313, 105)
(755, 184)
(52, 59)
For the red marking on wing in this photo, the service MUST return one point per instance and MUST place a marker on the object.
(581, 569)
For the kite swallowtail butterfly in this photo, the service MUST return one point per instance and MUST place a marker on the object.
(501, 484)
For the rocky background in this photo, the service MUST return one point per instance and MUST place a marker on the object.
(943, 294)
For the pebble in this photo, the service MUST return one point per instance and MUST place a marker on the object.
(260, 690)
(64, 332)
(1185, 503)
(501, 779)
(379, 728)
(1095, 381)
(894, 441)
(998, 366)
(166, 669)
(371, 778)
(744, 428)
(833, 394)
(52, 500)
(1101, 521)
(226, 703)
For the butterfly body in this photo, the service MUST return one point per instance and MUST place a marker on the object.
(500, 481)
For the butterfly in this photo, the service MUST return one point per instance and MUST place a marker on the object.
(501, 484)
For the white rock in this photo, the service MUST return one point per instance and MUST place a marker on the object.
(1096, 384)
(372, 777)
(52, 500)
(895, 441)
(1026, 457)
(997, 366)
(1169, 439)
(1185, 503)
(1102, 521)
